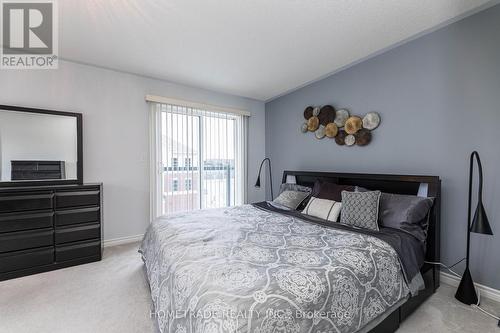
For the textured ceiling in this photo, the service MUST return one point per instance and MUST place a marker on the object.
(258, 48)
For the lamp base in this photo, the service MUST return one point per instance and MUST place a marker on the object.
(466, 293)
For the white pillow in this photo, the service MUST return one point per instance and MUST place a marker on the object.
(323, 208)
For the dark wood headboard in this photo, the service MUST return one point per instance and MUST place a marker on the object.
(400, 184)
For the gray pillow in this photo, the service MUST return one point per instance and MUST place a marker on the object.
(298, 188)
(291, 199)
(405, 212)
(294, 187)
(360, 189)
(360, 209)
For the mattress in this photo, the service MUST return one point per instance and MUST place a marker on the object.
(259, 269)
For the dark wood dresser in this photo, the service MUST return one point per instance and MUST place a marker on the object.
(49, 227)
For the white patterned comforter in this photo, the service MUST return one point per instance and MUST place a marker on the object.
(243, 269)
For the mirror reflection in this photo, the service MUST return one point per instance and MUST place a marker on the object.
(36, 146)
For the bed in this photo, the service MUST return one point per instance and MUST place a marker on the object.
(258, 268)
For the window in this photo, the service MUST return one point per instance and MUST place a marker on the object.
(188, 184)
(212, 146)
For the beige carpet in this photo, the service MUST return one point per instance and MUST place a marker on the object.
(107, 296)
(112, 296)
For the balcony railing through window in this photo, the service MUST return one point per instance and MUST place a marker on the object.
(201, 158)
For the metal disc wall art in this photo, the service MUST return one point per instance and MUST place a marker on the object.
(340, 125)
(308, 112)
(371, 121)
(363, 137)
(326, 115)
(350, 140)
(312, 124)
(353, 124)
(341, 117)
(340, 138)
(331, 130)
(320, 132)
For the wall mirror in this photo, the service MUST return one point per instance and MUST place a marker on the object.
(40, 147)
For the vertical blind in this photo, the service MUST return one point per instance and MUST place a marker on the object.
(198, 158)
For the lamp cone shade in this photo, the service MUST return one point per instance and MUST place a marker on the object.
(257, 183)
(466, 292)
(480, 223)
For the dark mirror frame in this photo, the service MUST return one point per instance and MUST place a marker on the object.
(79, 163)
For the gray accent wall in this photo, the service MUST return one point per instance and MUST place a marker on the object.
(439, 99)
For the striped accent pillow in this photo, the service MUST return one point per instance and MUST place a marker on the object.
(323, 208)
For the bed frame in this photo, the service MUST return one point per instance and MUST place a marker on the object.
(401, 184)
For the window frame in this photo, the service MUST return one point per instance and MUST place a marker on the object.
(240, 159)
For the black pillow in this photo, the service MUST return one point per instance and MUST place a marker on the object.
(330, 191)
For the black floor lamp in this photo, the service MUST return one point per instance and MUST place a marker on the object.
(257, 183)
(466, 292)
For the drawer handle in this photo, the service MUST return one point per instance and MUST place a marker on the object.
(25, 217)
(71, 194)
(64, 230)
(76, 211)
(78, 245)
(27, 197)
(28, 233)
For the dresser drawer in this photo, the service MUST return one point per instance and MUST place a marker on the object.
(76, 216)
(18, 260)
(78, 250)
(77, 199)
(78, 233)
(18, 222)
(22, 240)
(17, 202)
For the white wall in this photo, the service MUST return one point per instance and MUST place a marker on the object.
(31, 136)
(115, 130)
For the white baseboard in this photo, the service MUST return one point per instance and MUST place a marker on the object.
(485, 291)
(123, 240)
